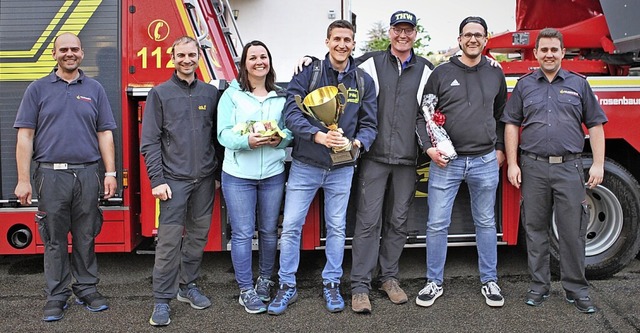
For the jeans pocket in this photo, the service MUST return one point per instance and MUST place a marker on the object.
(41, 220)
(489, 158)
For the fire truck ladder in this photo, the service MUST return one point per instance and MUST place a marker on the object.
(224, 12)
(215, 36)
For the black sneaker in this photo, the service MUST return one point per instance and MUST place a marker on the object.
(263, 288)
(491, 292)
(583, 304)
(54, 310)
(535, 298)
(94, 302)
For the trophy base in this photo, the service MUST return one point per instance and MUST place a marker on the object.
(344, 157)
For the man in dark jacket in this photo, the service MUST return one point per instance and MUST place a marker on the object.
(387, 173)
(178, 145)
(312, 167)
(471, 95)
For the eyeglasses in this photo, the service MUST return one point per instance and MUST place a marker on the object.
(407, 31)
(468, 35)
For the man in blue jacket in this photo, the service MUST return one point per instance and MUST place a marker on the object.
(312, 166)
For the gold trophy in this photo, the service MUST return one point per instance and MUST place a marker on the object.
(326, 105)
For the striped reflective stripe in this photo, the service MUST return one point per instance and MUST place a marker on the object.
(605, 83)
(80, 11)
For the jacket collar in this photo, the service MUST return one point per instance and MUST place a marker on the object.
(182, 83)
(410, 62)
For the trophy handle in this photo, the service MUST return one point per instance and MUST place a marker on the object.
(299, 102)
(341, 98)
(342, 93)
(302, 107)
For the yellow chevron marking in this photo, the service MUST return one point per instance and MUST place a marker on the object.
(29, 70)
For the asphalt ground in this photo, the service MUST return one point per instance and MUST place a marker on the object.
(126, 281)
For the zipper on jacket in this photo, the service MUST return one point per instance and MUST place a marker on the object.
(194, 147)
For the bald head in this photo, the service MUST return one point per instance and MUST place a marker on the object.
(66, 36)
(67, 51)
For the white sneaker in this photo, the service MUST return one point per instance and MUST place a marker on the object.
(429, 294)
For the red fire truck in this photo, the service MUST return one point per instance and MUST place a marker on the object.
(126, 44)
(127, 48)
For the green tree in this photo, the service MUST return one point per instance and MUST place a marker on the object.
(378, 39)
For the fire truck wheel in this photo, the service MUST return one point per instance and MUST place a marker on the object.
(613, 232)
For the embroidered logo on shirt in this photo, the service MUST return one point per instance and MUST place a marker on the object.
(569, 92)
(455, 83)
(353, 96)
(83, 98)
(202, 107)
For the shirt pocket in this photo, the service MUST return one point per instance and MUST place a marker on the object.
(568, 99)
(532, 105)
(532, 101)
(570, 108)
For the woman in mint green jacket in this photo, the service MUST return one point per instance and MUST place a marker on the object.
(251, 128)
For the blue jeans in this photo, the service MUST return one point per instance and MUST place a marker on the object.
(481, 175)
(250, 201)
(304, 181)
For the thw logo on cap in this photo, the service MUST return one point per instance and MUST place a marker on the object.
(403, 17)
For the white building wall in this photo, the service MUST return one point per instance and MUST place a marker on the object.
(289, 28)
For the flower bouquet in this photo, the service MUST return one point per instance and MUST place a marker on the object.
(435, 119)
(264, 127)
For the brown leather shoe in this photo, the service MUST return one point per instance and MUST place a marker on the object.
(393, 290)
(360, 303)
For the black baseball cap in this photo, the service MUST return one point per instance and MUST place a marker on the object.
(402, 16)
(474, 19)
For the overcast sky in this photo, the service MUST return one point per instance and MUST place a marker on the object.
(440, 18)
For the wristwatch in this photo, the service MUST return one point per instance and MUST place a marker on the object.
(110, 174)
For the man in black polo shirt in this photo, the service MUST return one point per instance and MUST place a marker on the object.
(65, 124)
(550, 104)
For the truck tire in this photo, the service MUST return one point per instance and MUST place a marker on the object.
(613, 232)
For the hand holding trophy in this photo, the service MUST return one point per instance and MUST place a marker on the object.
(326, 104)
(435, 119)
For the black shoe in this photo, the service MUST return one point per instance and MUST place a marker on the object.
(535, 298)
(94, 302)
(583, 304)
(54, 310)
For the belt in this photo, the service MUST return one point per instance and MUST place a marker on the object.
(64, 166)
(552, 159)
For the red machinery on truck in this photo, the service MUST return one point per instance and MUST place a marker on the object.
(602, 41)
(126, 44)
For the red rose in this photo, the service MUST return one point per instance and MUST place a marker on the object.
(439, 118)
